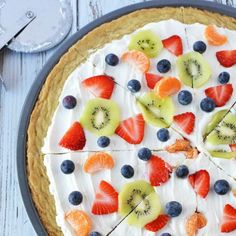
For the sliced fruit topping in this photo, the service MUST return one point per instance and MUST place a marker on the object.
(112, 59)
(152, 79)
(213, 37)
(207, 104)
(185, 121)
(226, 58)
(67, 167)
(69, 102)
(100, 116)
(106, 199)
(134, 86)
(147, 42)
(220, 94)
(163, 134)
(221, 186)
(100, 86)
(79, 221)
(167, 87)
(157, 224)
(144, 154)
(173, 209)
(191, 153)
(222, 154)
(174, 45)
(194, 223)
(180, 145)
(132, 194)
(224, 77)
(103, 141)
(97, 162)
(74, 138)
(215, 120)
(225, 131)
(146, 211)
(194, 71)
(229, 219)
(161, 176)
(185, 97)
(75, 198)
(182, 171)
(232, 147)
(156, 111)
(138, 59)
(200, 181)
(163, 66)
(127, 171)
(132, 129)
(199, 46)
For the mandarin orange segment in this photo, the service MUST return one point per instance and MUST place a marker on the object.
(137, 58)
(167, 86)
(98, 161)
(79, 221)
(213, 37)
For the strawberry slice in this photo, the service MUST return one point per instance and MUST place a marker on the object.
(106, 199)
(132, 129)
(158, 171)
(174, 45)
(185, 121)
(229, 219)
(152, 79)
(226, 58)
(159, 223)
(100, 86)
(220, 94)
(232, 147)
(200, 181)
(74, 138)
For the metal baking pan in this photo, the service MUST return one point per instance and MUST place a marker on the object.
(39, 81)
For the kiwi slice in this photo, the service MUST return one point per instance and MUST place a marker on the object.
(193, 69)
(156, 111)
(100, 116)
(147, 42)
(147, 211)
(225, 131)
(222, 154)
(215, 120)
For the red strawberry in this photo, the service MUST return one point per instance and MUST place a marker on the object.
(159, 223)
(220, 94)
(232, 147)
(100, 86)
(200, 181)
(74, 138)
(229, 219)
(185, 121)
(158, 171)
(174, 45)
(132, 129)
(226, 58)
(106, 199)
(152, 79)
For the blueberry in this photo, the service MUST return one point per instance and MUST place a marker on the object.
(163, 66)
(134, 85)
(182, 171)
(221, 186)
(173, 209)
(94, 233)
(224, 77)
(111, 59)
(69, 102)
(144, 154)
(165, 234)
(127, 171)
(207, 104)
(75, 198)
(163, 134)
(199, 46)
(67, 167)
(103, 141)
(185, 97)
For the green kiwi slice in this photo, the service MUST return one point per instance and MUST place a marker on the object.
(225, 131)
(156, 111)
(222, 154)
(147, 42)
(193, 70)
(100, 116)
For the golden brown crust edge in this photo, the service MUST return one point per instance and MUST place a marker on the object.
(48, 98)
